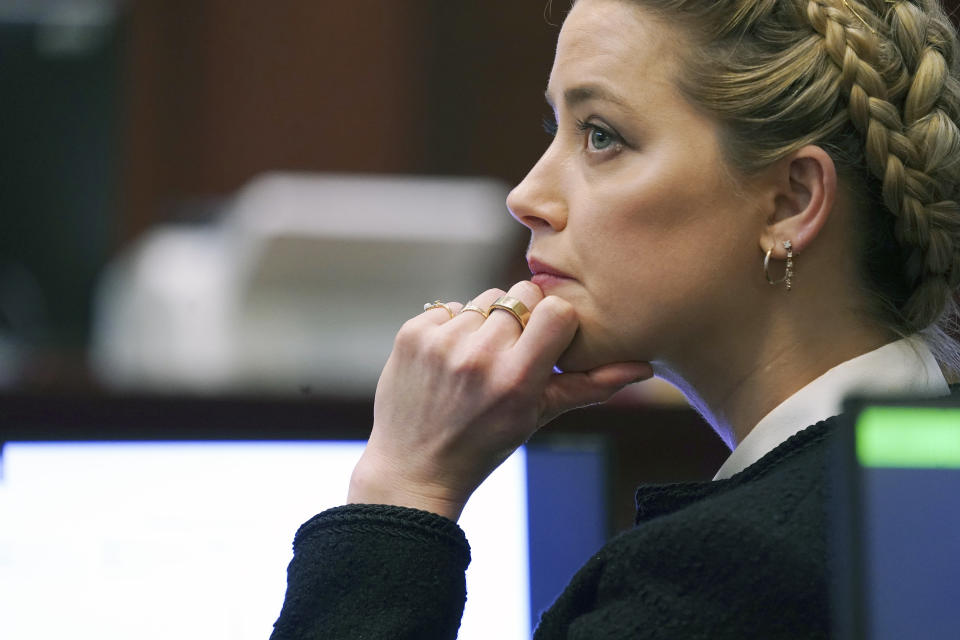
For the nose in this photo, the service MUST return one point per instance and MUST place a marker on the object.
(538, 202)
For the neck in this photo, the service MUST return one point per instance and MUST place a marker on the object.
(734, 387)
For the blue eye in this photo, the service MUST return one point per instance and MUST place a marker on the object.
(600, 139)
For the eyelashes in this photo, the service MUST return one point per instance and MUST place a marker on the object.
(549, 124)
(597, 138)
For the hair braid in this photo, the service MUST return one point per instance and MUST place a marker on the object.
(910, 153)
(875, 84)
(930, 119)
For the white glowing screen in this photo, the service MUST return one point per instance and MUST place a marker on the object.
(112, 541)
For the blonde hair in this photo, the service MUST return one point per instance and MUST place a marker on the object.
(875, 84)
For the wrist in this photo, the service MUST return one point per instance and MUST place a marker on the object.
(370, 486)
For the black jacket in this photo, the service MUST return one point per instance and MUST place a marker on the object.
(744, 557)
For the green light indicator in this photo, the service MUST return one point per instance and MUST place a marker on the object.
(909, 437)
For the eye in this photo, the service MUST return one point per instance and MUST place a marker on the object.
(599, 138)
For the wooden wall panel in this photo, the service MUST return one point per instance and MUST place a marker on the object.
(489, 65)
(218, 91)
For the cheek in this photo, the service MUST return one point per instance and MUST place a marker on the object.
(638, 237)
(625, 278)
(652, 266)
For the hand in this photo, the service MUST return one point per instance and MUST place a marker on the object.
(458, 395)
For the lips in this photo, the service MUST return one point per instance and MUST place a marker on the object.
(538, 267)
(544, 275)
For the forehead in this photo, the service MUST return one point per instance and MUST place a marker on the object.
(614, 42)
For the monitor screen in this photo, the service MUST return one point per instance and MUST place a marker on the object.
(899, 521)
(113, 539)
(120, 540)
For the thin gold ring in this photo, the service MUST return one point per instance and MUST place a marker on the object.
(473, 307)
(515, 307)
(436, 304)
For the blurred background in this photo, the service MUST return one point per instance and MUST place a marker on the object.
(214, 215)
(241, 202)
(123, 116)
(244, 200)
(216, 200)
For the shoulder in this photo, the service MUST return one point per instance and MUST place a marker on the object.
(747, 555)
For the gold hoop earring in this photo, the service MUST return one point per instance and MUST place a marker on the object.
(788, 276)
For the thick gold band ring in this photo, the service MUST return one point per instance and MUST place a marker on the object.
(436, 304)
(515, 307)
(473, 307)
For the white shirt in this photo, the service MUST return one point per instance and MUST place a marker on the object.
(904, 367)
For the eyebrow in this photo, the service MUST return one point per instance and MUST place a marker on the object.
(584, 93)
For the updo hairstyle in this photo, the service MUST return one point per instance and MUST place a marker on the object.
(872, 82)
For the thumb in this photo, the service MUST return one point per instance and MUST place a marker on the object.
(567, 391)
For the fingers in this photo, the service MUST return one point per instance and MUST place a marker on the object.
(475, 312)
(503, 324)
(571, 390)
(617, 375)
(439, 312)
(495, 323)
(550, 330)
(551, 325)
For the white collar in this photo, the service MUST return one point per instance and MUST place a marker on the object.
(904, 367)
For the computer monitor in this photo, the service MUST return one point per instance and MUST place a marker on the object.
(108, 537)
(897, 520)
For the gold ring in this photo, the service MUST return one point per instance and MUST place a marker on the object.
(473, 307)
(515, 307)
(436, 304)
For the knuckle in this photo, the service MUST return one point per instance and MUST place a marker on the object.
(408, 336)
(436, 346)
(492, 294)
(471, 361)
(417, 340)
(526, 291)
(559, 308)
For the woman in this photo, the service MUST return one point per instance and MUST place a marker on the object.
(704, 150)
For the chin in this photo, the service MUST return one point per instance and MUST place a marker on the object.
(579, 356)
(591, 349)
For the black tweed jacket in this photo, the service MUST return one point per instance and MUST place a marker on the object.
(744, 557)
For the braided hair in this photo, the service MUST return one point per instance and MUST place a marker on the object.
(874, 83)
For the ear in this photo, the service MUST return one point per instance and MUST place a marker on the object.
(806, 188)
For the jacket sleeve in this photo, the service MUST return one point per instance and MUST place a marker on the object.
(375, 572)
